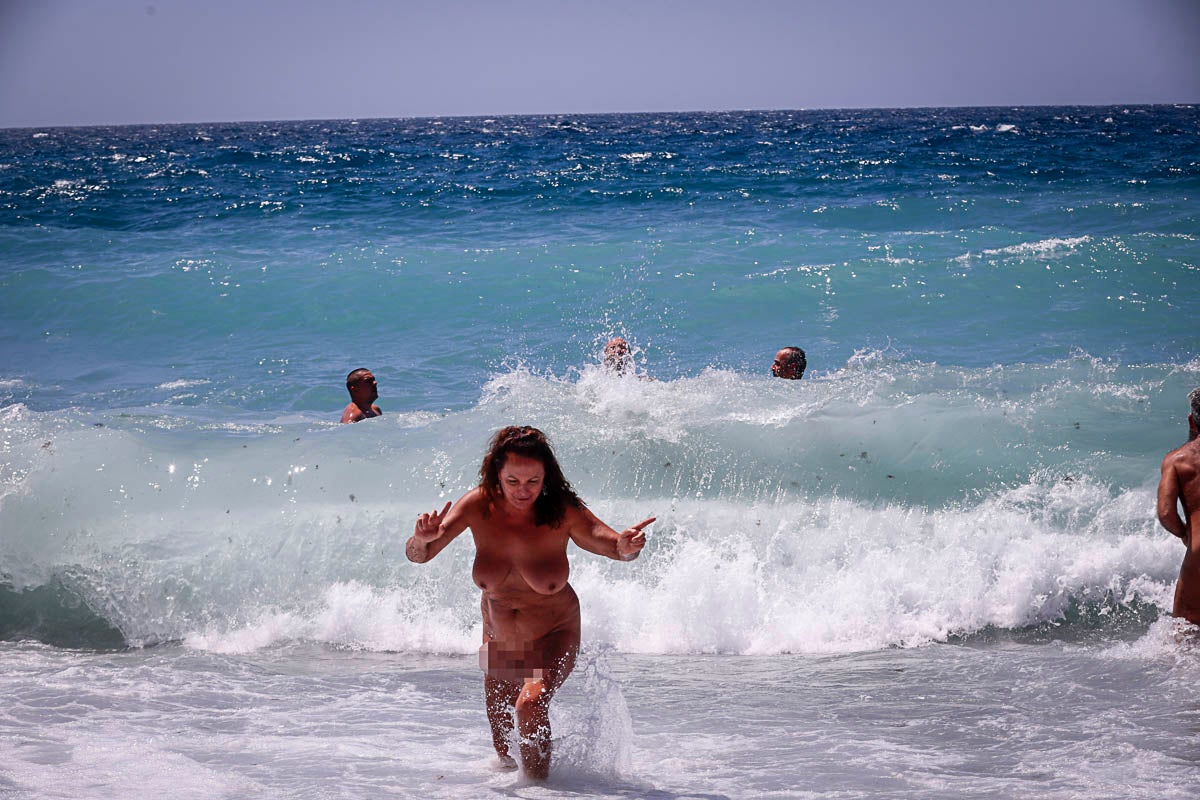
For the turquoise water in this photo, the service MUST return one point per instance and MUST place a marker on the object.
(999, 310)
(266, 258)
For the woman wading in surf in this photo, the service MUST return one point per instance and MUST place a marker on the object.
(522, 514)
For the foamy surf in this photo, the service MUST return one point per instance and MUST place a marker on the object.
(887, 503)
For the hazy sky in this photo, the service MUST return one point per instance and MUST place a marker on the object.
(81, 62)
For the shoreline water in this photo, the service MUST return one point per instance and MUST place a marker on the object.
(309, 721)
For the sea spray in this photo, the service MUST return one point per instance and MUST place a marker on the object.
(593, 732)
(886, 503)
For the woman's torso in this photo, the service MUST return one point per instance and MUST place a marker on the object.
(522, 570)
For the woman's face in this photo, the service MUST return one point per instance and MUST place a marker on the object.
(521, 480)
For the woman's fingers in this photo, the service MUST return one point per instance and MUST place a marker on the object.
(634, 536)
(434, 517)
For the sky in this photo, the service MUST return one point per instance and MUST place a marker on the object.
(103, 62)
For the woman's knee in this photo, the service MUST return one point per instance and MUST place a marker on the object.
(533, 697)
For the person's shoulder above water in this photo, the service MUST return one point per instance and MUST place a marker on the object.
(1180, 486)
(1183, 463)
(790, 363)
(363, 393)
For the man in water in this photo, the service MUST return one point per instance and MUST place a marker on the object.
(1181, 483)
(616, 355)
(789, 363)
(363, 394)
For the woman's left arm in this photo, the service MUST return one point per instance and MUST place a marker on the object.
(587, 531)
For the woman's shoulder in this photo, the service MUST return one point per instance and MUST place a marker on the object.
(473, 498)
(577, 514)
(470, 504)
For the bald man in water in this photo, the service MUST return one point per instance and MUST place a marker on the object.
(790, 363)
(1180, 483)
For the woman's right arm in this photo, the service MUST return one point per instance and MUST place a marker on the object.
(437, 529)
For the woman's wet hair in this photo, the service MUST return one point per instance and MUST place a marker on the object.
(556, 495)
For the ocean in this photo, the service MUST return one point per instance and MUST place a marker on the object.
(929, 569)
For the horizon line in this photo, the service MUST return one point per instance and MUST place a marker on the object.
(1009, 106)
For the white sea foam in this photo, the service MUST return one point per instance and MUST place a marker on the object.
(1040, 248)
(829, 577)
(172, 386)
(884, 503)
(356, 616)
(112, 755)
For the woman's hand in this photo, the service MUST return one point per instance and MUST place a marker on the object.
(429, 526)
(631, 540)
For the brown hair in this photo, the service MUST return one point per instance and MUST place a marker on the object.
(557, 494)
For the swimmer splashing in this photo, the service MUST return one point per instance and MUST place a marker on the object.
(521, 515)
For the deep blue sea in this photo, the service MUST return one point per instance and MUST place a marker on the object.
(930, 568)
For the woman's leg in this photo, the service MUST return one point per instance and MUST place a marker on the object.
(533, 701)
(500, 697)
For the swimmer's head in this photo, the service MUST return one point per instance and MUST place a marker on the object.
(616, 354)
(522, 440)
(789, 363)
(361, 384)
(1194, 417)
